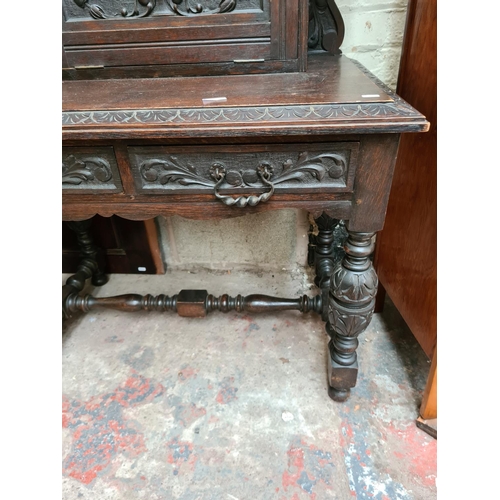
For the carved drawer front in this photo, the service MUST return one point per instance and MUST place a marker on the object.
(292, 168)
(90, 170)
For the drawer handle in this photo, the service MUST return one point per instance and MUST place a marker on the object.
(264, 171)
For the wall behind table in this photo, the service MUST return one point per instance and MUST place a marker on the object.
(276, 240)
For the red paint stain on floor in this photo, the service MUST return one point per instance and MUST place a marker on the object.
(180, 452)
(418, 450)
(227, 392)
(189, 413)
(295, 468)
(309, 468)
(100, 431)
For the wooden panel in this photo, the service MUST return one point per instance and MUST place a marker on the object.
(111, 33)
(166, 34)
(406, 250)
(169, 11)
(157, 54)
(296, 168)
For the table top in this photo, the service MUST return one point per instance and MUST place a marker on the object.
(335, 95)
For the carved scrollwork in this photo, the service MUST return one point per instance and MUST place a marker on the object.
(97, 12)
(187, 8)
(317, 166)
(76, 171)
(326, 26)
(169, 170)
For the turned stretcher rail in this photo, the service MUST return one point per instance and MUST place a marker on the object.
(192, 303)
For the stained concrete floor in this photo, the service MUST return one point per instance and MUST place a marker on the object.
(235, 406)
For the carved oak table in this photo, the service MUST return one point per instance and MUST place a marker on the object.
(324, 140)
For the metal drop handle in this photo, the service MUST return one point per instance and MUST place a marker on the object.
(264, 171)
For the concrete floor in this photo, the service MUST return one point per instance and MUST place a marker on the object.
(234, 406)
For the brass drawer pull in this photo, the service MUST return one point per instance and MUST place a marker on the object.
(264, 171)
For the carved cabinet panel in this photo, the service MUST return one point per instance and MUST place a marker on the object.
(183, 37)
(90, 170)
(294, 168)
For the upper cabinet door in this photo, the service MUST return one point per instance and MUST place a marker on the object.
(146, 38)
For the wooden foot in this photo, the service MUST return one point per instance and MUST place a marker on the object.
(351, 304)
(339, 395)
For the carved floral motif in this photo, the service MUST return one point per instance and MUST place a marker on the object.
(189, 8)
(76, 171)
(349, 323)
(354, 287)
(97, 12)
(170, 170)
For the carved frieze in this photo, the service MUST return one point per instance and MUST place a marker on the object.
(160, 169)
(116, 9)
(242, 115)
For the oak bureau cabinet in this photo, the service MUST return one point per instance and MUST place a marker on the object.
(196, 133)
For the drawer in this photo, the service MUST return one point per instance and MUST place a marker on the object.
(90, 170)
(292, 168)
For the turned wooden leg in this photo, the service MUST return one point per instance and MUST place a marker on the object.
(87, 266)
(88, 249)
(353, 289)
(324, 255)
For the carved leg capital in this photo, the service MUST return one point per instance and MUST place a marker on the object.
(353, 289)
